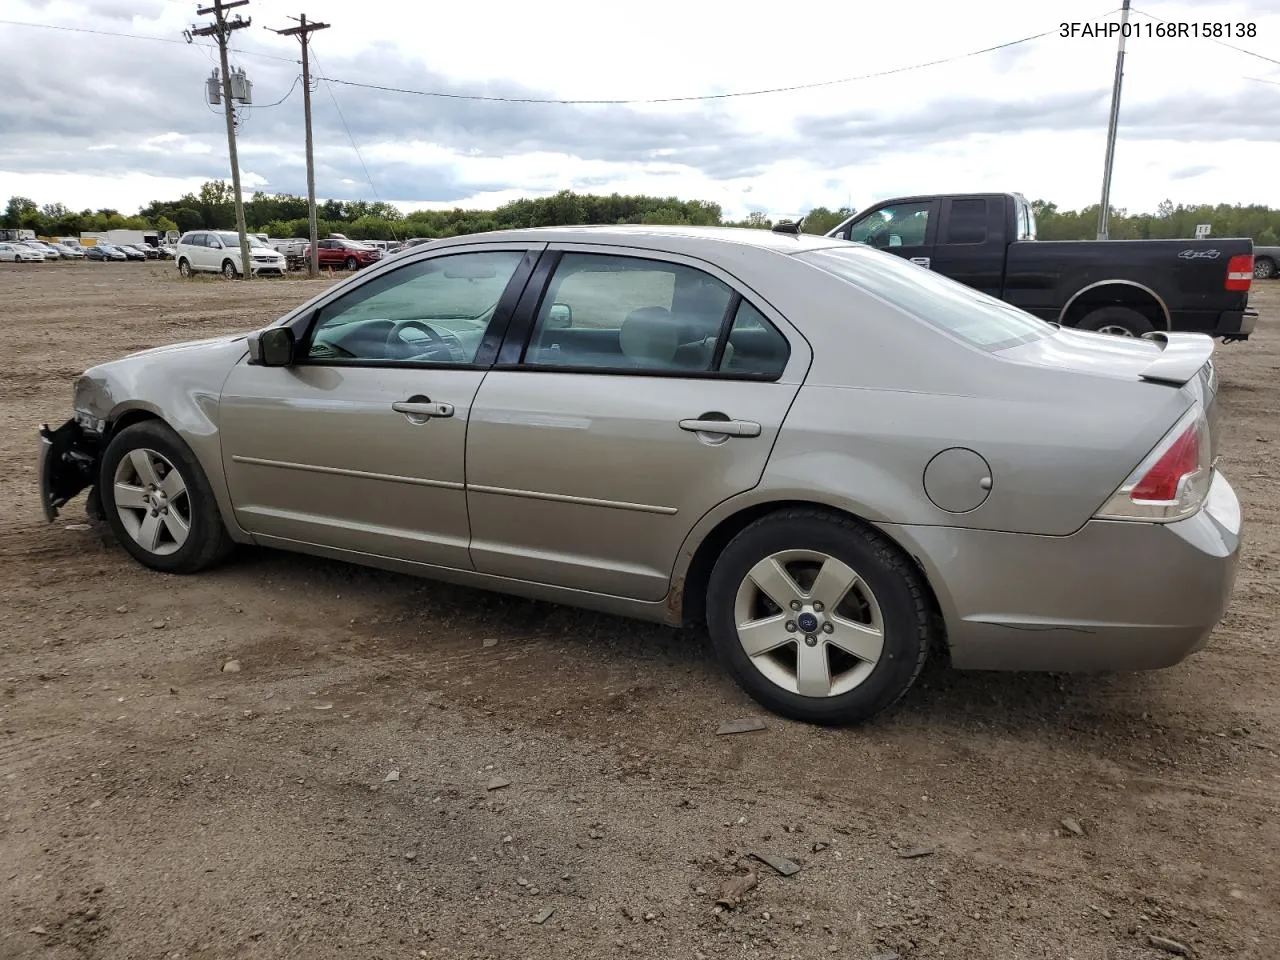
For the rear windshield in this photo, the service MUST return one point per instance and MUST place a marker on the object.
(945, 304)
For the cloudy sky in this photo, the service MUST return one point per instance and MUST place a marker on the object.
(93, 121)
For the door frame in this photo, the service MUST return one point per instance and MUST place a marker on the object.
(520, 330)
(303, 319)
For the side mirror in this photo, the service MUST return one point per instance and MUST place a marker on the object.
(272, 347)
(560, 316)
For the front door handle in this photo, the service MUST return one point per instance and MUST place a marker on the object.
(922, 261)
(723, 428)
(422, 410)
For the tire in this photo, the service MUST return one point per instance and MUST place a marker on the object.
(229, 270)
(888, 593)
(1264, 268)
(205, 541)
(351, 263)
(1120, 321)
(184, 268)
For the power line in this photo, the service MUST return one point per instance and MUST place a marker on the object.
(263, 106)
(711, 96)
(137, 36)
(368, 176)
(1217, 40)
(693, 98)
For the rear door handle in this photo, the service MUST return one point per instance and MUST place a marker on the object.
(723, 428)
(922, 261)
(420, 410)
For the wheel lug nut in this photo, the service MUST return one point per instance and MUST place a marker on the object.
(817, 605)
(795, 604)
(828, 628)
(791, 626)
(811, 640)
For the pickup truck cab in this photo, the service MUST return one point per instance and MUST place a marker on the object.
(1127, 287)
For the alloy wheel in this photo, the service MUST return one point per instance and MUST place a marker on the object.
(809, 623)
(152, 502)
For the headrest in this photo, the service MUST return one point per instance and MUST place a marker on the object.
(649, 336)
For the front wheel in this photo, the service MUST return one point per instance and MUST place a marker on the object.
(184, 268)
(1264, 268)
(818, 617)
(158, 500)
(229, 270)
(351, 263)
(1117, 321)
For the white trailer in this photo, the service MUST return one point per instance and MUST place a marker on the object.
(150, 237)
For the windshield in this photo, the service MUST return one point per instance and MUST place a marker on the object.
(942, 303)
(233, 240)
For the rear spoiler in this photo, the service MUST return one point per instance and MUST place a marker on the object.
(1181, 356)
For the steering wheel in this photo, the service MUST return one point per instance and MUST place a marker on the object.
(434, 339)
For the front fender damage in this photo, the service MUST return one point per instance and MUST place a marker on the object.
(68, 465)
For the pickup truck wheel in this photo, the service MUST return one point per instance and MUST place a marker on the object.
(184, 268)
(229, 270)
(351, 263)
(1264, 268)
(818, 617)
(158, 501)
(1117, 321)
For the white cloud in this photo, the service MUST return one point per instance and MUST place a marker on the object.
(965, 125)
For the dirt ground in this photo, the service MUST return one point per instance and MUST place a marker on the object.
(153, 805)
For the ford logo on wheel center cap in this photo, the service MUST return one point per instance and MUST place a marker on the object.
(808, 622)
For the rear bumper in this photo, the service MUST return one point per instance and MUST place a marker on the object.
(1113, 596)
(1237, 324)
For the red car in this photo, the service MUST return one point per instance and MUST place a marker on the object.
(350, 254)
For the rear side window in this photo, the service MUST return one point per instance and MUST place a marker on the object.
(755, 345)
(968, 223)
(949, 306)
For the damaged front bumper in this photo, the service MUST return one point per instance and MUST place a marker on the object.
(67, 465)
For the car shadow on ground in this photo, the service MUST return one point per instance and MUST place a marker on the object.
(425, 619)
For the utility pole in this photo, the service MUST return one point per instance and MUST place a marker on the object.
(221, 29)
(1105, 212)
(303, 32)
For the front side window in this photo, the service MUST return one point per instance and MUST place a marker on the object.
(945, 304)
(901, 225)
(432, 311)
(628, 313)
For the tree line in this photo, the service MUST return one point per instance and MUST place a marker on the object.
(284, 215)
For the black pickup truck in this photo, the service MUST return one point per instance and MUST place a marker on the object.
(1128, 287)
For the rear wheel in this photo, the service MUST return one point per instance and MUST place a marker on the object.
(818, 617)
(351, 263)
(158, 500)
(1117, 321)
(1264, 268)
(184, 268)
(229, 270)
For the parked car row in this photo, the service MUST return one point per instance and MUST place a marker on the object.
(38, 250)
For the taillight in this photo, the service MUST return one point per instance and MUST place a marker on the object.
(1172, 481)
(1240, 273)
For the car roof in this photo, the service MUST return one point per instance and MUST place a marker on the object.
(674, 239)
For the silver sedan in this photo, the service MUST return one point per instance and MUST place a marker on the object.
(835, 460)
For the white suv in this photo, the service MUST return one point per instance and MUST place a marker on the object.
(218, 251)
